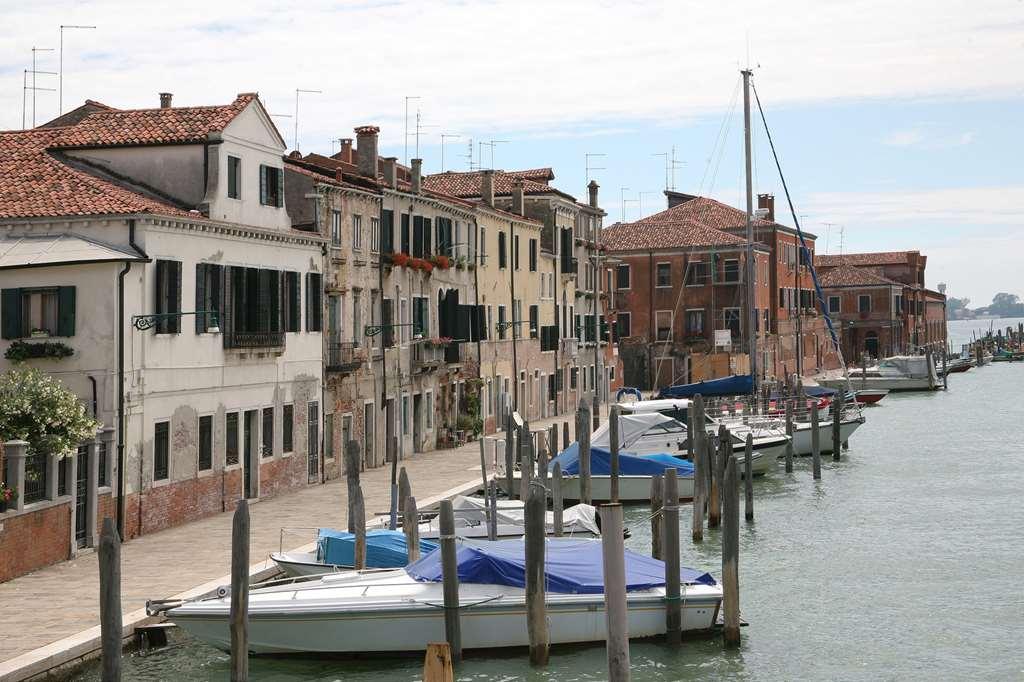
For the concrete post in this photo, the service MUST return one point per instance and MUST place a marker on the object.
(15, 452)
(72, 486)
(93, 486)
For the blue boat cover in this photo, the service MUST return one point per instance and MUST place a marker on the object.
(384, 548)
(571, 566)
(738, 384)
(629, 464)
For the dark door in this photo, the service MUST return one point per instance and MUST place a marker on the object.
(82, 497)
(249, 437)
(313, 444)
(871, 344)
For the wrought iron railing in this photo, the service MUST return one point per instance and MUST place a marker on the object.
(241, 339)
(344, 356)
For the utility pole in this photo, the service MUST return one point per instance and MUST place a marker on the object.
(406, 138)
(60, 69)
(751, 310)
(297, 91)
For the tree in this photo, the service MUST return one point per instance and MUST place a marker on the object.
(1006, 305)
(38, 408)
(956, 306)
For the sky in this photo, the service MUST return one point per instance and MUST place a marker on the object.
(897, 124)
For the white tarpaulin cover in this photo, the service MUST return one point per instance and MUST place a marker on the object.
(631, 427)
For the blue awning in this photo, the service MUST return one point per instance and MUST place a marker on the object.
(384, 548)
(629, 463)
(571, 566)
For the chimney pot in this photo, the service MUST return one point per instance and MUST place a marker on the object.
(165, 100)
(518, 197)
(487, 187)
(389, 169)
(767, 201)
(592, 189)
(417, 175)
(366, 148)
(345, 154)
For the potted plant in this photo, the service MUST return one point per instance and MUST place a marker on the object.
(20, 351)
(400, 259)
(8, 497)
(442, 262)
(426, 266)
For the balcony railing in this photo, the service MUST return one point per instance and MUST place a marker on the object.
(344, 357)
(570, 347)
(243, 339)
(426, 356)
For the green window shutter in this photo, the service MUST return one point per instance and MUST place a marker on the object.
(426, 236)
(263, 184)
(280, 187)
(175, 292)
(200, 297)
(160, 296)
(65, 311)
(309, 301)
(10, 313)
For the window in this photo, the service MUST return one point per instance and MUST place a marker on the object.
(515, 254)
(898, 303)
(663, 324)
(502, 257)
(271, 186)
(501, 322)
(695, 322)
(533, 255)
(622, 277)
(833, 304)
(292, 296)
(208, 280)
(534, 321)
(329, 436)
(63, 469)
(287, 426)
(731, 270)
(168, 295)
(406, 241)
(421, 316)
(623, 324)
(806, 301)
(313, 437)
(357, 318)
(205, 443)
(314, 302)
(268, 431)
(103, 478)
(335, 228)
(430, 410)
(357, 232)
(574, 374)
(231, 438)
(696, 273)
(864, 303)
(663, 276)
(39, 312)
(234, 177)
(405, 415)
(161, 444)
(374, 234)
(731, 321)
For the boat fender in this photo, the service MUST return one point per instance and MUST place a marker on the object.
(224, 591)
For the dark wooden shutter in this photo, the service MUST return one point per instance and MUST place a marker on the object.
(387, 231)
(263, 184)
(406, 248)
(200, 297)
(501, 249)
(533, 321)
(175, 292)
(263, 294)
(295, 304)
(226, 305)
(280, 187)
(10, 313)
(386, 318)
(426, 237)
(463, 322)
(65, 311)
(417, 236)
(309, 301)
(479, 323)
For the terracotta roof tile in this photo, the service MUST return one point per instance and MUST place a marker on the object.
(468, 184)
(114, 128)
(544, 175)
(846, 275)
(878, 258)
(699, 222)
(35, 183)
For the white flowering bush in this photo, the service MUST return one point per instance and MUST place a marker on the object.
(38, 408)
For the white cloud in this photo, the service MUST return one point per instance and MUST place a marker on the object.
(1001, 207)
(499, 67)
(926, 137)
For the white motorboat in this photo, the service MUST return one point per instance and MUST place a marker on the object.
(645, 433)
(397, 610)
(471, 520)
(898, 373)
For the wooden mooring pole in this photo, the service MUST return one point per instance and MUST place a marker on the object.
(613, 443)
(239, 614)
(583, 440)
(789, 433)
(815, 442)
(535, 514)
(450, 580)
(670, 550)
(351, 478)
(359, 519)
(492, 505)
(613, 560)
(411, 527)
(696, 448)
(110, 602)
(837, 425)
(525, 440)
(510, 456)
(748, 479)
(730, 557)
(437, 664)
(657, 502)
(556, 498)
(711, 459)
(404, 489)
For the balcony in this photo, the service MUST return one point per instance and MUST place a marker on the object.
(427, 357)
(345, 358)
(570, 266)
(570, 347)
(246, 339)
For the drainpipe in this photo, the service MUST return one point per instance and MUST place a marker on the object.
(92, 380)
(120, 378)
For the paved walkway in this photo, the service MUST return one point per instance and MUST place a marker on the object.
(62, 601)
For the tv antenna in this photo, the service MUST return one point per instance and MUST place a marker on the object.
(60, 68)
(420, 125)
(407, 98)
(588, 156)
(641, 200)
(297, 91)
(25, 87)
(446, 136)
(35, 51)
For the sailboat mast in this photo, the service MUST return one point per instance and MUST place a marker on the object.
(751, 310)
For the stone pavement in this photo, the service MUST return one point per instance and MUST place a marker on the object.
(62, 601)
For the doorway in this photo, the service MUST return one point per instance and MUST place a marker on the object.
(871, 344)
(82, 496)
(250, 443)
(417, 414)
(313, 443)
(369, 429)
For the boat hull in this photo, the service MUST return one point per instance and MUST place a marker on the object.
(631, 488)
(802, 442)
(883, 383)
(409, 628)
(869, 397)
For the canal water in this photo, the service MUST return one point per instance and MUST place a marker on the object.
(906, 561)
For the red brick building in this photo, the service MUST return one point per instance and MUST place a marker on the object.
(880, 303)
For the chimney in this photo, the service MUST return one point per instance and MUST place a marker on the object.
(518, 197)
(487, 187)
(388, 164)
(366, 148)
(592, 188)
(767, 201)
(165, 100)
(417, 175)
(345, 153)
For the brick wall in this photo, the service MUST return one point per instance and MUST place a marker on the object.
(34, 540)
